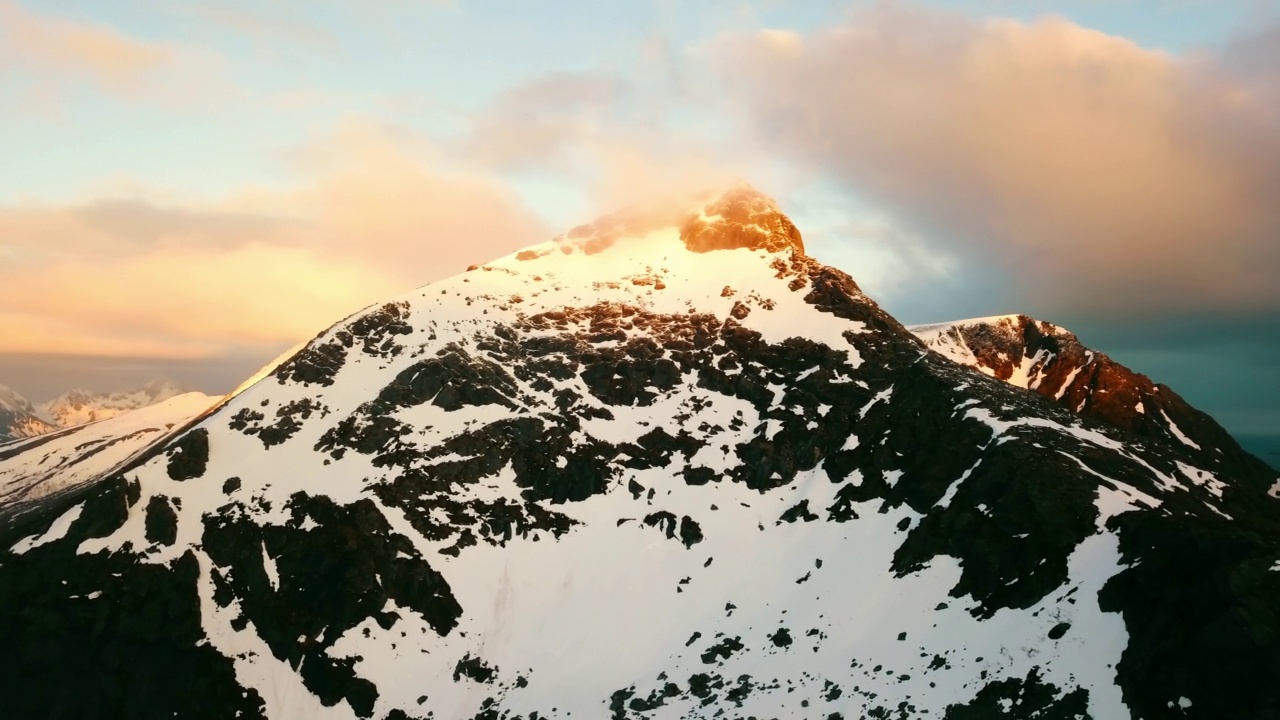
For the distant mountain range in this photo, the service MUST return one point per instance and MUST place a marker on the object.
(41, 465)
(19, 418)
(77, 407)
(81, 435)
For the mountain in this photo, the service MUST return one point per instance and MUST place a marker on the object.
(77, 407)
(1051, 361)
(59, 459)
(663, 466)
(18, 418)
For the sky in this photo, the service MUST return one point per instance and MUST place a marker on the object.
(188, 189)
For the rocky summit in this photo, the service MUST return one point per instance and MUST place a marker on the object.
(663, 466)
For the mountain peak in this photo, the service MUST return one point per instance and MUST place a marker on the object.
(727, 218)
(741, 217)
(10, 399)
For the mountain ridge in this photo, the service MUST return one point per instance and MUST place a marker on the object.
(1051, 361)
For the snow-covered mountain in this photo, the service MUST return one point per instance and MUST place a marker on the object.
(663, 466)
(63, 458)
(77, 407)
(18, 417)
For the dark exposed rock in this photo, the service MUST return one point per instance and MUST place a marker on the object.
(690, 531)
(781, 638)
(1028, 698)
(162, 521)
(799, 511)
(328, 579)
(378, 328)
(316, 364)
(722, 650)
(1199, 599)
(188, 455)
(101, 635)
(473, 668)
(289, 419)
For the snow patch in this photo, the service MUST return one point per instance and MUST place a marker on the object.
(1176, 431)
(56, 531)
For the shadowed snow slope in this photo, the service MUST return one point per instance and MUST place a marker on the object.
(663, 466)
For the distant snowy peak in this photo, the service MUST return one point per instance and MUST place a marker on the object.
(17, 417)
(77, 407)
(11, 400)
(1051, 361)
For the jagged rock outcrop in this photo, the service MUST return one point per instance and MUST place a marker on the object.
(1051, 361)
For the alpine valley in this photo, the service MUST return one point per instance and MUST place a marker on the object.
(665, 465)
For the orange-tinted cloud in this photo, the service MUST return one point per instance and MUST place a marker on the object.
(51, 60)
(254, 271)
(383, 195)
(65, 46)
(621, 142)
(1105, 176)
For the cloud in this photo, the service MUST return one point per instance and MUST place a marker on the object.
(622, 142)
(106, 229)
(268, 30)
(534, 125)
(391, 197)
(183, 303)
(64, 46)
(51, 61)
(376, 217)
(1103, 177)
